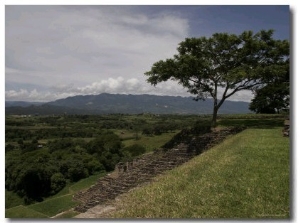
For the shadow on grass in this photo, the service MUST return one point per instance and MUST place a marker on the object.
(253, 123)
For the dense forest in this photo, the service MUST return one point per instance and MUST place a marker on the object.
(44, 153)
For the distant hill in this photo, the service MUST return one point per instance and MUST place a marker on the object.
(21, 103)
(127, 104)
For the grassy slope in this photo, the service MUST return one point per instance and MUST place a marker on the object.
(247, 176)
(54, 206)
(23, 212)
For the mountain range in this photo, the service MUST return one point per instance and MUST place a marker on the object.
(126, 104)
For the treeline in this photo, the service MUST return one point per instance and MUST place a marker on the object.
(59, 132)
(88, 126)
(41, 172)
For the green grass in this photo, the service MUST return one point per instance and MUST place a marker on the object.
(252, 121)
(54, 206)
(124, 134)
(23, 212)
(65, 191)
(247, 176)
(12, 199)
(85, 183)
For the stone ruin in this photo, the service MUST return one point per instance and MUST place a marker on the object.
(286, 128)
(144, 168)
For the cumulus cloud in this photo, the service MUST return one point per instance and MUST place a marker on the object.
(110, 85)
(54, 52)
(88, 43)
(23, 94)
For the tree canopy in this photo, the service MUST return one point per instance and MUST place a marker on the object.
(223, 64)
(274, 97)
(38, 173)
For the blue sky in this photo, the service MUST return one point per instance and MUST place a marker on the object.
(53, 52)
(206, 20)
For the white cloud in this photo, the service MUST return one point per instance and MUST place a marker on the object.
(25, 95)
(111, 85)
(11, 94)
(81, 45)
(132, 84)
(59, 51)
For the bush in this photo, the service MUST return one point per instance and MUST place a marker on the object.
(135, 150)
(58, 182)
(94, 166)
(77, 172)
(201, 127)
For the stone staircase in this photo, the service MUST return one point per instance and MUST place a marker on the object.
(143, 169)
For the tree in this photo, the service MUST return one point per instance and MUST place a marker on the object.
(223, 64)
(58, 182)
(273, 97)
(270, 99)
(94, 166)
(77, 171)
(107, 141)
(35, 182)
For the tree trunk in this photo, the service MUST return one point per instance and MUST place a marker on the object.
(215, 112)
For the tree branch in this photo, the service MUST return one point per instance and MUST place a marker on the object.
(205, 87)
(242, 87)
